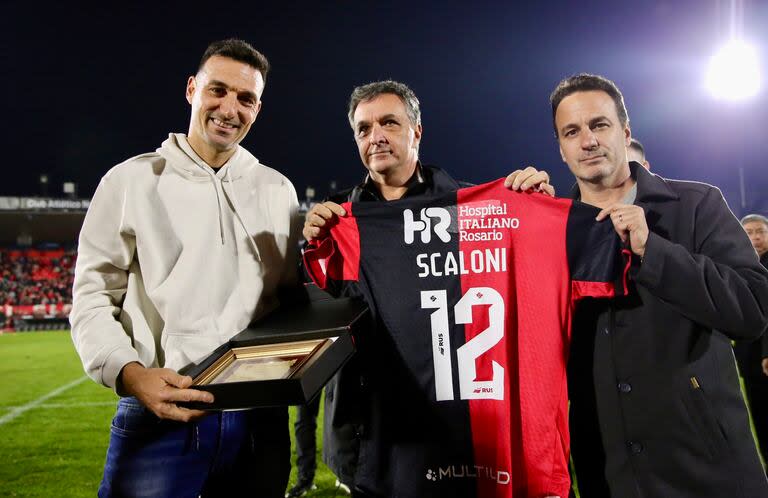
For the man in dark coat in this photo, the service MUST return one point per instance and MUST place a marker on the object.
(752, 356)
(656, 409)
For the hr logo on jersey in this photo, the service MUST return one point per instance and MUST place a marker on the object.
(431, 219)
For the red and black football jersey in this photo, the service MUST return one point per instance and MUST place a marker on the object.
(473, 293)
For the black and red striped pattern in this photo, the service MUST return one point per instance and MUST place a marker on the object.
(473, 293)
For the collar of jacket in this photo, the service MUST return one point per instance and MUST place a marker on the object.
(650, 187)
(426, 178)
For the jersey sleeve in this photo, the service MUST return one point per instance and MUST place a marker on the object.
(598, 263)
(336, 258)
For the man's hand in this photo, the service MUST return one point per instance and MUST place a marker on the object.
(765, 366)
(530, 178)
(629, 222)
(159, 389)
(319, 218)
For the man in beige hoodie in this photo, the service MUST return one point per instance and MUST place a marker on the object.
(181, 248)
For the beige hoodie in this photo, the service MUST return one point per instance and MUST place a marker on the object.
(175, 258)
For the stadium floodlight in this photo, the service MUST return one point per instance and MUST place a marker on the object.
(43, 184)
(734, 72)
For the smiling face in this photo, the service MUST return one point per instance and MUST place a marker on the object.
(387, 141)
(592, 140)
(225, 96)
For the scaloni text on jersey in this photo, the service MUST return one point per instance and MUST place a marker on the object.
(438, 264)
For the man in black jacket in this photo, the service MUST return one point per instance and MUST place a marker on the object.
(752, 356)
(656, 409)
(386, 121)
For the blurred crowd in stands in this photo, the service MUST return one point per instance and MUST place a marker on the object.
(35, 283)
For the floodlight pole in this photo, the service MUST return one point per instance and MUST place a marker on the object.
(736, 29)
(741, 187)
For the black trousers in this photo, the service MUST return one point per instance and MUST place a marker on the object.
(305, 429)
(756, 387)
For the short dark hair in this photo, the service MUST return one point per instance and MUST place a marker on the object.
(751, 218)
(635, 144)
(238, 50)
(370, 91)
(585, 82)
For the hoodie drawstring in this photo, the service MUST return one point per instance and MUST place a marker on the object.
(218, 203)
(236, 209)
(183, 146)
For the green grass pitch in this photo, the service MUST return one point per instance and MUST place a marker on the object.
(54, 422)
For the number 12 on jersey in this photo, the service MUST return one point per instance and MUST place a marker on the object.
(466, 355)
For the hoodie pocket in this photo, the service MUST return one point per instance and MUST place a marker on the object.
(182, 348)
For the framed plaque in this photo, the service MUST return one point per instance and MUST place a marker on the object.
(284, 359)
(265, 362)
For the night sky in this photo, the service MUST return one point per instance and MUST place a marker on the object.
(90, 85)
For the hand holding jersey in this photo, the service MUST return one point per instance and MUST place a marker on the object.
(321, 215)
(629, 222)
(529, 179)
(318, 219)
(456, 340)
(655, 403)
(430, 452)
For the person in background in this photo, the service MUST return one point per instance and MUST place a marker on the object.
(636, 153)
(306, 448)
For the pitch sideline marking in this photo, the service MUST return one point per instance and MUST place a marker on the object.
(65, 405)
(39, 401)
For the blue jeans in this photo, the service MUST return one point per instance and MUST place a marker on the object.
(245, 453)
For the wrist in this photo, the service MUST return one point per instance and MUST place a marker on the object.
(127, 376)
(641, 249)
